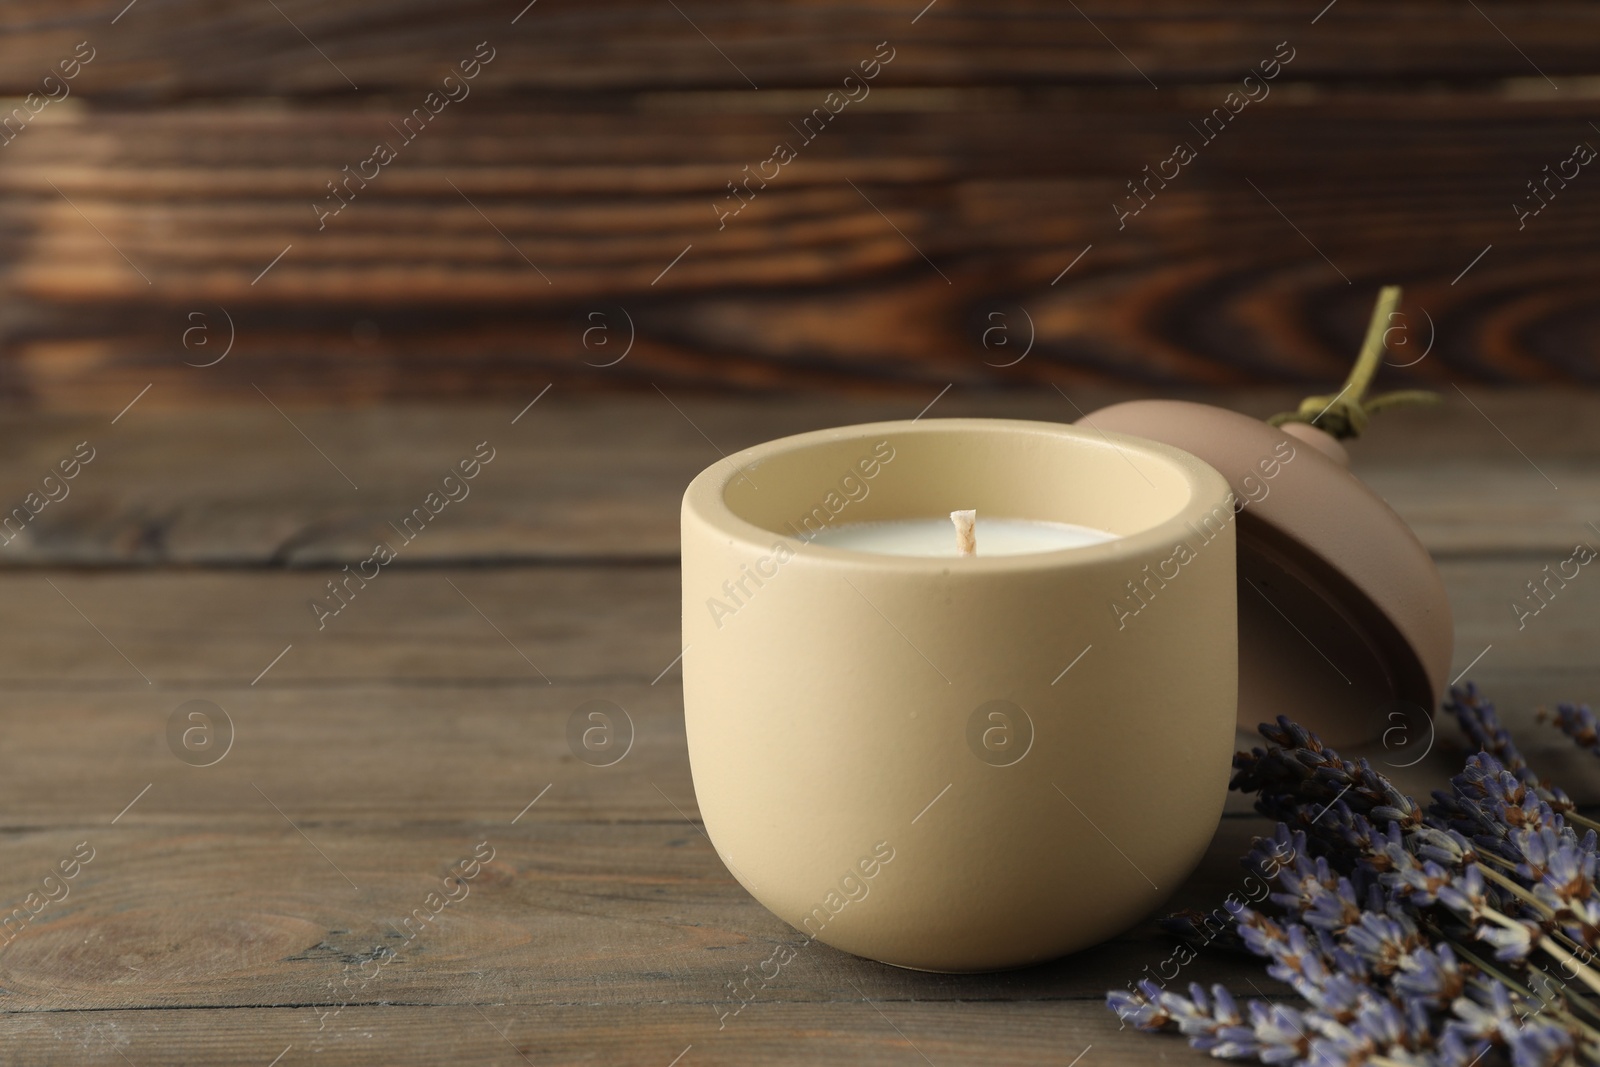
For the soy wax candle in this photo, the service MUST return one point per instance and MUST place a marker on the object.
(958, 764)
(960, 535)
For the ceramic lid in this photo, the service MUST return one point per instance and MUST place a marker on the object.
(1344, 624)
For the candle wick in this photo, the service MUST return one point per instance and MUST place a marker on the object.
(966, 532)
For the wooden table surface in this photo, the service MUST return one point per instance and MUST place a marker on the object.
(251, 909)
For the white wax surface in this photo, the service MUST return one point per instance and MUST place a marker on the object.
(937, 537)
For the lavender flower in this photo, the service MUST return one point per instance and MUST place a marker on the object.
(1430, 975)
(1479, 722)
(1379, 902)
(1141, 1008)
(1214, 1024)
(1465, 895)
(1533, 1042)
(1384, 942)
(1380, 1028)
(1580, 724)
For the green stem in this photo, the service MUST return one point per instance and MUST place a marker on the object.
(1400, 398)
(1345, 413)
(1372, 345)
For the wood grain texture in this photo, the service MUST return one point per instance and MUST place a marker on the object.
(561, 913)
(164, 50)
(579, 478)
(880, 1033)
(410, 652)
(599, 144)
(1210, 284)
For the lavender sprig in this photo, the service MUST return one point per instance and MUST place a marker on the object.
(1580, 724)
(1479, 722)
(1379, 900)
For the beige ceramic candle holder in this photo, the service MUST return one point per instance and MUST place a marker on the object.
(960, 764)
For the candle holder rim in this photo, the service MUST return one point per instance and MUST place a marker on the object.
(705, 498)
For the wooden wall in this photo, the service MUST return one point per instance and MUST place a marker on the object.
(139, 213)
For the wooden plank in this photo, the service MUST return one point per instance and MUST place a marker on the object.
(577, 478)
(606, 902)
(597, 633)
(1552, 632)
(877, 1033)
(410, 293)
(465, 727)
(317, 731)
(161, 51)
(270, 917)
(563, 914)
(412, 659)
(571, 624)
(187, 627)
(374, 755)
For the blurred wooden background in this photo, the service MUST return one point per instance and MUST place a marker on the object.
(922, 228)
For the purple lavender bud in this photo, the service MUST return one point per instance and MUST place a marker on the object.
(1579, 723)
(1464, 895)
(1510, 944)
(1432, 975)
(1139, 1008)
